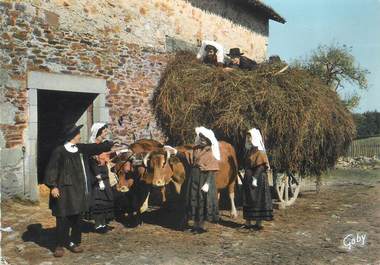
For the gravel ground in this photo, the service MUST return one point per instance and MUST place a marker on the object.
(310, 232)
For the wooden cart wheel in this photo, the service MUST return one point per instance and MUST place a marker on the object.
(287, 187)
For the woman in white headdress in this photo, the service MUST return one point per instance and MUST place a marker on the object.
(201, 201)
(257, 200)
(102, 205)
(211, 53)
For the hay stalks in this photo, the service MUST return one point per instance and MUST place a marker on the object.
(303, 122)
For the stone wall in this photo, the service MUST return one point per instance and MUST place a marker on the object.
(150, 23)
(29, 43)
(123, 42)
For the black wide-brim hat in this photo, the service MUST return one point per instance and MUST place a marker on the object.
(235, 52)
(71, 131)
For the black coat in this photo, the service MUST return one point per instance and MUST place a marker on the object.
(245, 63)
(66, 172)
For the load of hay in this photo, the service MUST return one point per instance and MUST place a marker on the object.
(304, 124)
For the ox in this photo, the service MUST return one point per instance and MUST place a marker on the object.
(166, 168)
(129, 161)
(132, 192)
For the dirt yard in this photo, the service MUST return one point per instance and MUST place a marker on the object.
(310, 232)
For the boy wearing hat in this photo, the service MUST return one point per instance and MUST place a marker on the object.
(67, 177)
(240, 61)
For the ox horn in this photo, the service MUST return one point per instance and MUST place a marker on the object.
(167, 157)
(146, 158)
(169, 151)
(122, 150)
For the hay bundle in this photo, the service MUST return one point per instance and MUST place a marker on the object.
(303, 122)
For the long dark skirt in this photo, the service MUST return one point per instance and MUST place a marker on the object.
(201, 206)
(102, 207)
(257, 201)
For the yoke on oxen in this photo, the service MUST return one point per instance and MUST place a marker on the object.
(130, 175)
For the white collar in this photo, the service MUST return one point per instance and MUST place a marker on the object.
(70, 148)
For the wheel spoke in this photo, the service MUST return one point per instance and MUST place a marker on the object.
(282, 189)
(286, 189)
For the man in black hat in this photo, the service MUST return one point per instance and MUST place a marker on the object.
(66, 176)
(240, 61)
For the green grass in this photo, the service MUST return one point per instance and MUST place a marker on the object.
(353, 175)
(371, 140)
(365, 147)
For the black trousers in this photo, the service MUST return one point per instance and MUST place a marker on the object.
(64, 223)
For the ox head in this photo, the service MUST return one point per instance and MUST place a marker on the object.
(122, 162)
(159, 170)
(123, 168)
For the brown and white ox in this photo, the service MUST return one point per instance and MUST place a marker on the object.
(165, 169)
(125, 165)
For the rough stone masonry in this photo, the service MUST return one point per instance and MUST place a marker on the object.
(126, 43)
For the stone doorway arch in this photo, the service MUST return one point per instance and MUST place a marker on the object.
(42, 81)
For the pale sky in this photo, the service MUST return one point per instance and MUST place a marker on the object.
(355, 23)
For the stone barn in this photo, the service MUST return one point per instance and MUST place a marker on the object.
(66, 61)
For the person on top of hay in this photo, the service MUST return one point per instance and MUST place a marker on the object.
(211, 53)
(240, 61)
(257, 200)
(102, 203)
(67, 177)
(201, 201)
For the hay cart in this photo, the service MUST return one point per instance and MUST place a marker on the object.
(301, 117)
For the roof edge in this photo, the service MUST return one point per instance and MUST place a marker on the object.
(269, 11)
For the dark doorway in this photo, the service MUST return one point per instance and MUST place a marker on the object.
(56, 110)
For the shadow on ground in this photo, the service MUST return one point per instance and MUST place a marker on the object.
(44, 237)
(164, 217)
